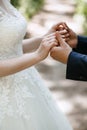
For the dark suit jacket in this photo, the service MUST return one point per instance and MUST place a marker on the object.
(77, 61)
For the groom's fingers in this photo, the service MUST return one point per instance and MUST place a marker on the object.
(67, 39)
(63, 31)
(65, 36)
(60, 40)
(65, 25)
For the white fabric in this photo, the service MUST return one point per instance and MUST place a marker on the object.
(25, 102)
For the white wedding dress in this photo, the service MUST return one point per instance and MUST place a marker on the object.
(25, 102)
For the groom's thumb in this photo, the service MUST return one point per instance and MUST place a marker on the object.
(60, 40)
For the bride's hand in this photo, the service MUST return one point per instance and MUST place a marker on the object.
(56, 27)
(46, 45)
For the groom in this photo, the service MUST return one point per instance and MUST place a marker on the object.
(72, 50)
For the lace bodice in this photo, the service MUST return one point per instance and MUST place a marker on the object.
(12, 31)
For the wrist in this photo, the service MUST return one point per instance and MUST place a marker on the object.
(38, 57)
(67, 56)
(34, 57)
(76, 41)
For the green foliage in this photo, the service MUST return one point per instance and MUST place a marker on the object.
(16, 3)
(82, 9)
(28, 7)
(33, 6)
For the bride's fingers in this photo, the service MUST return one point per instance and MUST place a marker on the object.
(65, 26)
(52, 34)
(53, 44)
(48, 38)
(56, 26)
(49, 41)
(53, 41)
(60, 28)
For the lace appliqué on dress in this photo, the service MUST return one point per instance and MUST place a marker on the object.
(13, 96)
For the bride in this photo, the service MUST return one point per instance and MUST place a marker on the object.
(25, 102)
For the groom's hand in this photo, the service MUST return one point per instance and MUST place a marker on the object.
(61, 52)
(69, 35)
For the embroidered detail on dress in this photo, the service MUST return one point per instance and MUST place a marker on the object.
(13, 96)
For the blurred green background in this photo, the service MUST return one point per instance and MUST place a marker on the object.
(28, 7)
(82, 10)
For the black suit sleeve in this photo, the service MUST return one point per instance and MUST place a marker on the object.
(77, 67)
(82, 45)
(77, 61)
